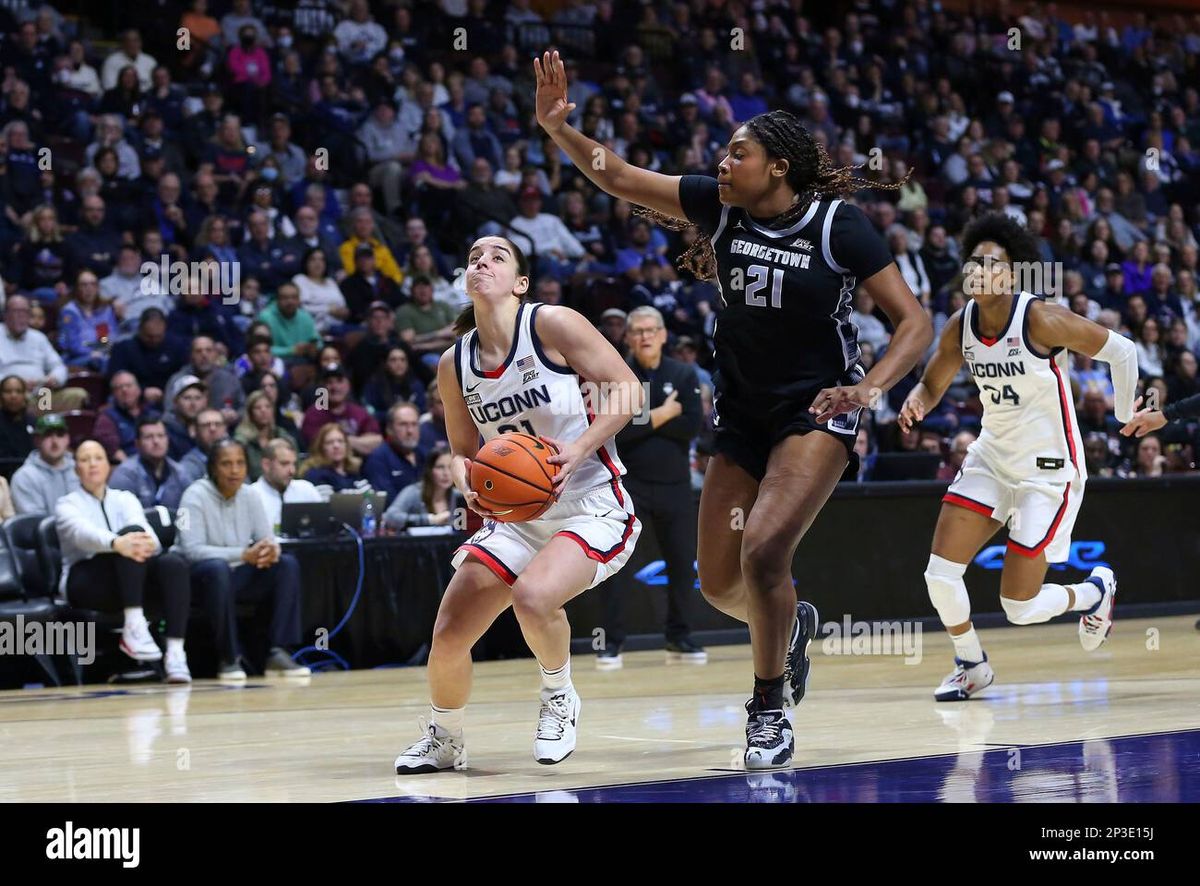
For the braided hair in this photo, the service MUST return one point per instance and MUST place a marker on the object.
(810, 173)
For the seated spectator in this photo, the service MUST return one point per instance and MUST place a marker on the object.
(259, 332)
(366, 286)
(362, 233)
(271, 260)
(28, 354)
(16, 426)
(276, 392)
(336, 405)
(433, 423)
(197, 314)
(257, 430)
(424, 324)
(151, 355)
(397, 461)
(558, 252)
(49, 470)
(293, 329)
(235, 559)
(388, 146)
(86, 326)
(373, 348)
(958, 453)
(126, 289)
(224, 390)
(112, 561)
(210, 428)
(433, 501)
(116, 423)
(435, 182)
(421, 264)
(331, 466)
(110, 138)
(320, 294)
(40, 262)
(95, 243)
(277, 484)
(188, 396)
(151, 475)
(392, 382)
(1149, 348)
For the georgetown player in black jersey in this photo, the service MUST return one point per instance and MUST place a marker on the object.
(788, 254)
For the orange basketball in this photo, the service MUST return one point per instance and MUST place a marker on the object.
(513, 478)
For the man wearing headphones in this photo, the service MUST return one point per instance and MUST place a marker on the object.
(226, 537)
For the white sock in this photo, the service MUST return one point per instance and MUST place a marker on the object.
(448, 719)
(1087, 595)
(133, 616)
(967, 647)
(175, 647)
(558, 678)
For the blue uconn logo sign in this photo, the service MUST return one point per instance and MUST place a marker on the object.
(1085, 555)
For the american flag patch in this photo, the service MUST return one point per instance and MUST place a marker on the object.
(1013, 341)
(525, 363)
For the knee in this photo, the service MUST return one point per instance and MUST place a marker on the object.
(528, 605)
(214, 577)
(450, 636)
(766, 560)
(1021, 612)
(719, 585)
(947, 592)
(172, 566)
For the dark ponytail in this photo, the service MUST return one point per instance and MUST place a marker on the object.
(810, 173)
(466, 319)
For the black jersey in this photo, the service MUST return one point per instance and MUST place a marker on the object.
(784, 328)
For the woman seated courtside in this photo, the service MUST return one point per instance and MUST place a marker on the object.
(113, 560)
(432, 501)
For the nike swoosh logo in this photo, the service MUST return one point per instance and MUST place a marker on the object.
(470, 388)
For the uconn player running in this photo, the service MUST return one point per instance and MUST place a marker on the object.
(519, 367)
(788, 254)
(1026, 469)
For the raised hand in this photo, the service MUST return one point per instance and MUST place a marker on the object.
(551, 97)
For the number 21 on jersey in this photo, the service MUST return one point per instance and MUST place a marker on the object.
(758, 280)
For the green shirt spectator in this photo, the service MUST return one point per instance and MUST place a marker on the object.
(293, 329)
(425, 324)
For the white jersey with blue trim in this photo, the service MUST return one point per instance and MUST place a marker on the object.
(530, 394)
(1029, 428)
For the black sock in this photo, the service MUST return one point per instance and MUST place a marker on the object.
(768, 694)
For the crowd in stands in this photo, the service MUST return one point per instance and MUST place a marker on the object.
(321, 166)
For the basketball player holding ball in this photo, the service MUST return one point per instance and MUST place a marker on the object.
(787, 253)
(517, 368)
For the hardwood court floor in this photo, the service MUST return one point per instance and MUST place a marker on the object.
(334, 737)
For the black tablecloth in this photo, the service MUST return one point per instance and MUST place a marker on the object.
(403, 582)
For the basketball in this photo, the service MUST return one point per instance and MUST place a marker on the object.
(513, 478)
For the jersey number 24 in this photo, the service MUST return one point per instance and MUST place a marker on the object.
(1006, 394)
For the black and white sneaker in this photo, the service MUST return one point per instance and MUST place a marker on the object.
(609, 658)
(685, 650)
(555, 737)
(797, 666)
(769, 741)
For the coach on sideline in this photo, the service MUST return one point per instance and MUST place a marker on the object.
(225, 535)
(655, 450)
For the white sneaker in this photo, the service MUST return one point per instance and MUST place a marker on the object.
(231, 672)
(1096, 624)
(437, 750)
(137, 643)
(557, 721)
(968, 678)
(177, 670)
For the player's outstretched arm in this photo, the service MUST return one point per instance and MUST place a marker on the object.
(606, 170)
(616, 393)
(940, 371)
(1053, 326)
